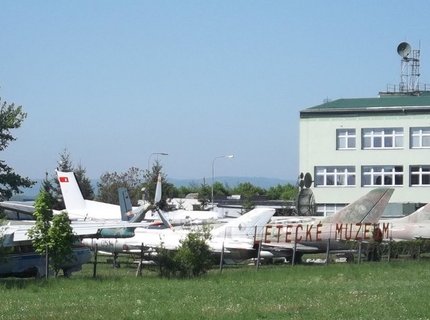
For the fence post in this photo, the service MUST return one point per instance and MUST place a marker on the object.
(139, 266)
(258, 255)
(95, 262)
(221, 260)
(389, 250)
(327, 254)
(294, 253)
(359, 252)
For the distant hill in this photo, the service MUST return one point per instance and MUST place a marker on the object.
(262, 182)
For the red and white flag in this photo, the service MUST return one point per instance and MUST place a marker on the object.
(64, 179)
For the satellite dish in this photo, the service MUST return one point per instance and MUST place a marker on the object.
(308, 180)
(301, 183)
(305, 203)
(404, 49)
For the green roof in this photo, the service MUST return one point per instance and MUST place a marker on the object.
(384, 104)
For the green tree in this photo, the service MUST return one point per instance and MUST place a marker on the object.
(11, 117)
(84, 182)
(109, 183)
(248, 192)
(3, 249)
(220, 189)
(204, 195)
(61, 239)
(193, 257)
(39, 233)
(282, 192)
(50, 189)
(150, 182)
(56, 238)
(63, 164)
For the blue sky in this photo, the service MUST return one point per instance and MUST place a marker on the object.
(114, 81)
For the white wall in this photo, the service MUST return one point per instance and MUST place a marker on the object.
(318, 148)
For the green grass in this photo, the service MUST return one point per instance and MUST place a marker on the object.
(397, 290)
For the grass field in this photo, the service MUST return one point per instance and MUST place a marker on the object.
(396, 290)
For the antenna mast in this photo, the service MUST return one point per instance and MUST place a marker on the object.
(409, 69)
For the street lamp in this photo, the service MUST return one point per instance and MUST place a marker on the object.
(213, 174)
(156, 153)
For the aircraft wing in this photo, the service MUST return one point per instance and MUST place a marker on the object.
(18, 232)
(17, 207)
(288, 247)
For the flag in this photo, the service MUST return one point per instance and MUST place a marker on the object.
(64, 179)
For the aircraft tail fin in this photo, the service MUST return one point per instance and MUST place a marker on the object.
(79, 208)
(369, 208)
(246, 225)
(72, 194)
(124, 204)
(421, 215)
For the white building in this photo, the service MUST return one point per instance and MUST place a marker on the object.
(353, 145)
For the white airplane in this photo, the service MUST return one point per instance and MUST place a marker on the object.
(77, 206)
(237, 237)
(412, 227)
(358, 222)
(21, 260)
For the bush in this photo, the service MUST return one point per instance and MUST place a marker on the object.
(193, 257)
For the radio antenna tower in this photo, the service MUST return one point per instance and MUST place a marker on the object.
(410, 68)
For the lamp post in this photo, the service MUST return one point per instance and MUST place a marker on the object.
(156, 153)
(230, 156)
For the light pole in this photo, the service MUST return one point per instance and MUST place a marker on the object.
(230, 156)
(156, 153)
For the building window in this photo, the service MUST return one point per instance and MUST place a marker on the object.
(420, 175)
(420, 138)
(345, 139)
(328, 209)
(334, 176)
(382, 176)
(382, 138)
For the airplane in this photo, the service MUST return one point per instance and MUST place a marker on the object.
(412, 227)
(357, 222)
(77, 206)
(236, 238)
(20, 259)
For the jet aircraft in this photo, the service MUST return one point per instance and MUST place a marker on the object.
(236, 238)
(357, 221)
(412, 227)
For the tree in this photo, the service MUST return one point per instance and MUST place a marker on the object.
(65, 164)
(248, 193)
(110, 182)
(282, 192)
(220, 190)
(84, 182)
(11, 117)
(39, 233)
(150, 182)
(56, 239)
(204, 195)
(49, 188)
(193, 257)
(3, 250)
(61, 239)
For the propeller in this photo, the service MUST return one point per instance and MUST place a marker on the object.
(157, 200)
